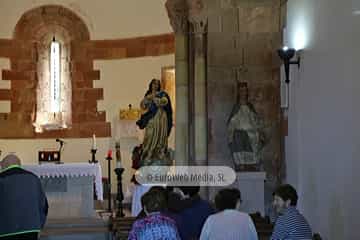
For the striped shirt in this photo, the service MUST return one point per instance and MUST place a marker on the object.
(291, 225)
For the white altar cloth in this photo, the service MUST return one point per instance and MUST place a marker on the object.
(139, 190)
(70, 170)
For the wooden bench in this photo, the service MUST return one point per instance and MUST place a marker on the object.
(263, 226)
(122, 226)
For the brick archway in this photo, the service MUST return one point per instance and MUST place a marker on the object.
(45, 19)
(35, 27)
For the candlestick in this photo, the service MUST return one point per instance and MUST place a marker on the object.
(119, 171)
(93, 157)
(109, 158)
(120, 194)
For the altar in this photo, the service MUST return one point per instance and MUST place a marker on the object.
(69, 188)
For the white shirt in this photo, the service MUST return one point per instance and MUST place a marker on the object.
(229, 224)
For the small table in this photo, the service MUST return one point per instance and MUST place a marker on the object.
(70, 188)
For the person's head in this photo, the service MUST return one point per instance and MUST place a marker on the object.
(179, 192)
(169, 188)
(284, 197)
(190, 191)
(154, 200)
(228, 198)
(154, 85)
(158, 188)
(10, 159)
(243, 93)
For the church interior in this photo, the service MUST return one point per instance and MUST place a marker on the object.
(75, 75)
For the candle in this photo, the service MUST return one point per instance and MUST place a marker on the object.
(109, 154)
(118, 164)
(118, 154)
(94, 142)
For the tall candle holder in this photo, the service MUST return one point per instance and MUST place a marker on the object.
(109, 158)
(120, 195)
(119, 171)
(93, 156)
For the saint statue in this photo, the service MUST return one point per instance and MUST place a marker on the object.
(157, 122)
(246, 135)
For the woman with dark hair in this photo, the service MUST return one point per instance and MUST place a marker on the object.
(155, 225)
(229, 222)
(157, 122)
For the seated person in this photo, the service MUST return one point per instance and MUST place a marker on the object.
(290, 223)
(23, 204)
(177, 201)
(160, 190)
(155, 226)
(191, 218)
(228, 223)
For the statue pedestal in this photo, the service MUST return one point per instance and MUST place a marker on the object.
(251, 186)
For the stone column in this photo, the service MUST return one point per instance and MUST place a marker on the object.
(198, 21)
(177, 12)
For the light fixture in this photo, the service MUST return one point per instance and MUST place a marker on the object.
(286, 54)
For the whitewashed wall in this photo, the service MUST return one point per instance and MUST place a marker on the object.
(323, 145)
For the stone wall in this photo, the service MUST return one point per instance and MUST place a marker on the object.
(242, 39)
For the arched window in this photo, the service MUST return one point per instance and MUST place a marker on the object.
(54, 84)
(55, 79)
(68, 104)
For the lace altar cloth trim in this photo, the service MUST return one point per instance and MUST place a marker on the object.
(70, 170)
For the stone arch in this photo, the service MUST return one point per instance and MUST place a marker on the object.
(50, 17)
(32, 34)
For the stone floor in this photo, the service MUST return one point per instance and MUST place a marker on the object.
(69, 228)
(82, 228)
(76, 229)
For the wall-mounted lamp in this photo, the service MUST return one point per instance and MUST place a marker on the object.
(286, 54)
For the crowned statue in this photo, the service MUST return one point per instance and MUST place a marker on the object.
(246, 135)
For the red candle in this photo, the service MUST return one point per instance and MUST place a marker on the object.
(109, 154)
